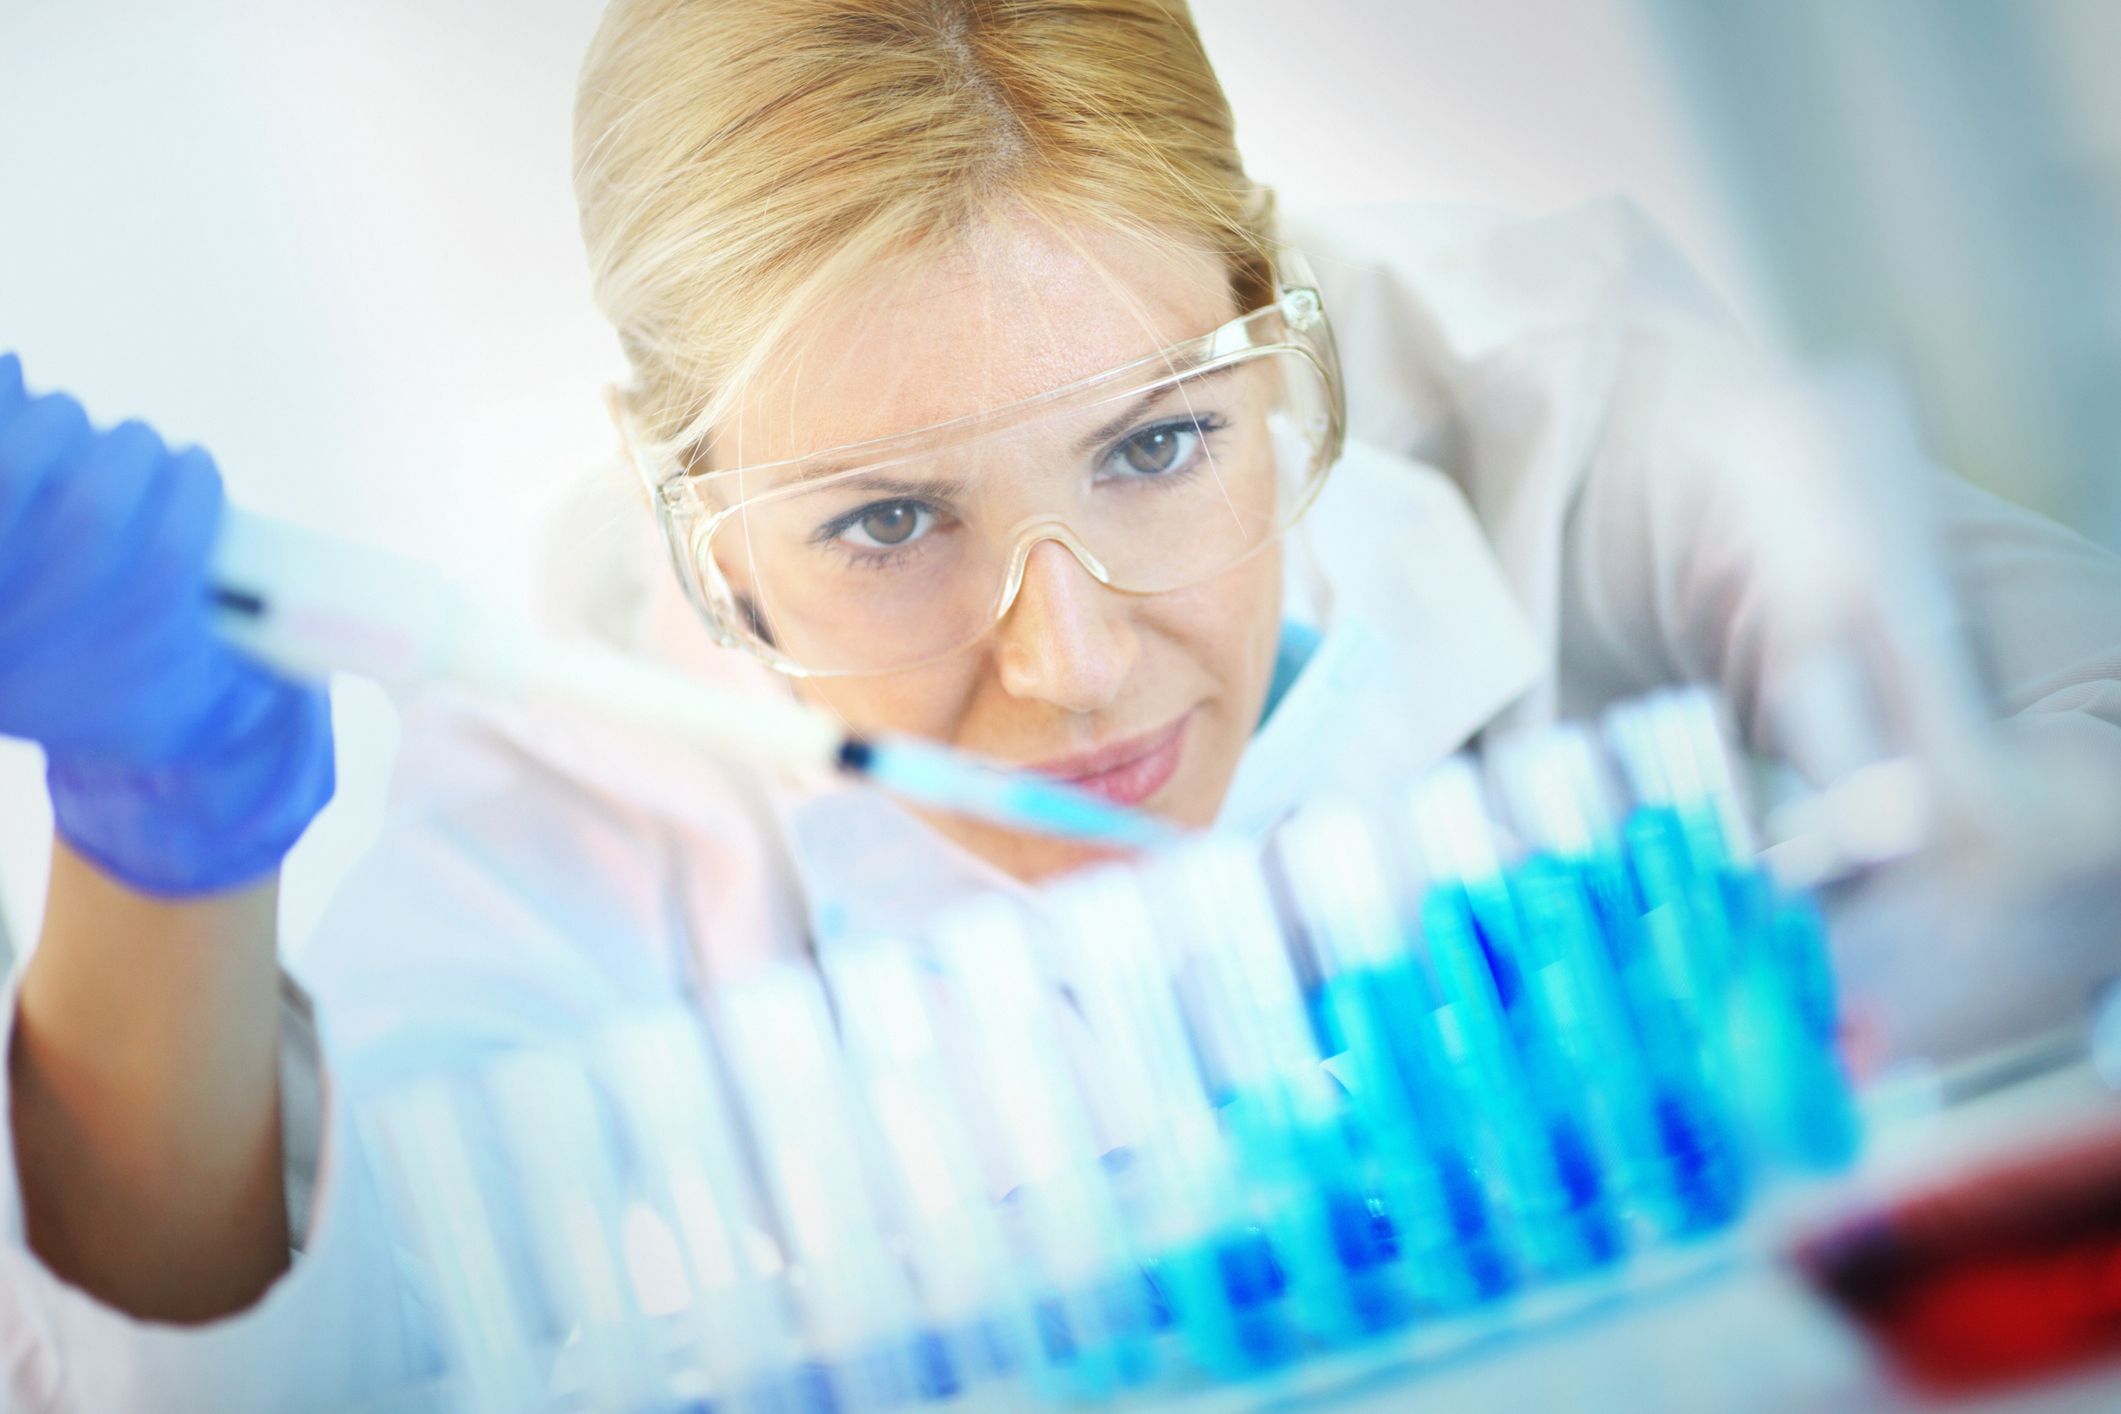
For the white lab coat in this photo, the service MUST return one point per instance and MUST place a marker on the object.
(1546, 505)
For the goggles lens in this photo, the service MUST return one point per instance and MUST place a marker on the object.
(1155, 480)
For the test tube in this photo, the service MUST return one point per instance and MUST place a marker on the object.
(1380, 1010)
(1755, 958)
(1284, 1112)
(1097, 1321)
(1555, 789)
(573, 1212)
(1676, 857)
(976, 1300)
(1672, 747)
(1496, 1033)
(1572, 1018)
(492, 1363)
(1791, 1078)
(687, 1153)
(859, 1315)
(1182, 1196)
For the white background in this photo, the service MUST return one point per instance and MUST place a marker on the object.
(334, 242)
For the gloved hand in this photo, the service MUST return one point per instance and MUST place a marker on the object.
(175, 764)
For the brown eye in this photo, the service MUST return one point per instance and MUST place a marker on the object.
(870, 536)
(893, 524)
(882, 525)
(1155, 451)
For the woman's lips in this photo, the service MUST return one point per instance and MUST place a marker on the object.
(1126, 772)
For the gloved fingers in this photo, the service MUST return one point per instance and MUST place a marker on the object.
(116, 657)
(38, 443)
(118, 509)
(153, 610)
(211, 821)
(174, 762)
(108, 694)
(165, 541)
(12, 395)
(84, 528)
(178, 554)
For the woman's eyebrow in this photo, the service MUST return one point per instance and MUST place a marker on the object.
(939, 487)
(1105, 432)
(807, 473)
(822, 471)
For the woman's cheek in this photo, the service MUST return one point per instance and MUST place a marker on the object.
(1225, 633)
(925, 702)
(1232, 628)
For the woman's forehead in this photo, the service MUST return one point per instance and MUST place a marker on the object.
(1014, 312)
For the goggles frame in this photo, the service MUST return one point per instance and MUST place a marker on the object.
(689, 525)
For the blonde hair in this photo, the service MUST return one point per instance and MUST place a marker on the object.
(739, 161)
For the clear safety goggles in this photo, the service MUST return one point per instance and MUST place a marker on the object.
(889, 554)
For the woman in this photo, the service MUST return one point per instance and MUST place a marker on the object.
(828, 235)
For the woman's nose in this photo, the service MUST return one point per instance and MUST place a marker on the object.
(1067, 639)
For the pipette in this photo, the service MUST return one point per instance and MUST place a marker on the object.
(307, 604)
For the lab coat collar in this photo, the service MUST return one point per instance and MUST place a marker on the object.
(1412, 588)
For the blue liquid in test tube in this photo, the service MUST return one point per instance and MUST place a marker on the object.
(1697, 1127)
(1573, 1000)
(1286, 1117)
(1501, 1022)
(1375, 1009)
(1680, 1159)
(1224, 1290)
(1545, 1175)
(1756, 963)
(1790, 1070)
(1827, 1128)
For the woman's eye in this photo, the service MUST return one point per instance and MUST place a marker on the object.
(1163, 450)
(888, 525)
(1158, 449)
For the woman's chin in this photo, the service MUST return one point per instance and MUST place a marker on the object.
(1027, 857)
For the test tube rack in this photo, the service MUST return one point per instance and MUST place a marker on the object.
(1181, 1129)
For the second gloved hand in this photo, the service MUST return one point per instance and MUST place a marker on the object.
(175, 764)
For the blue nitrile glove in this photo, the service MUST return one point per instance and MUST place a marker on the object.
(175, 764)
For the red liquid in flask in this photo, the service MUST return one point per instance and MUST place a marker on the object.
(2010, 1274)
